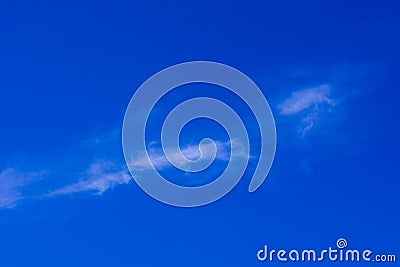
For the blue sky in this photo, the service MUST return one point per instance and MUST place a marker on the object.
(329, 70)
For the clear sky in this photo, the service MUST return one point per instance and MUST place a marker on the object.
(329, 70)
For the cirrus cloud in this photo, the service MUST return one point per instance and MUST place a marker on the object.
(310, 103)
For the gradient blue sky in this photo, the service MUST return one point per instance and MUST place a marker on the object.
(329, 69)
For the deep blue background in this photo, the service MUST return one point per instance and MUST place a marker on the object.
(69, 68)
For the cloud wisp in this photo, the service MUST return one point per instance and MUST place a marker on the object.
(310, 102)
(98, 178)
(12, 184)
(305, 99)
(102, 175)
(157, 159)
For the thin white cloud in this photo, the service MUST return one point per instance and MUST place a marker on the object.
(305, 99)
(311, 101)
(12, 183)
(142, 161)
(99, 177)
(17, 185)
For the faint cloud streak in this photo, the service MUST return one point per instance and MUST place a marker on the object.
(12, 183)
(98, 178)
(311, 101)
(157, 159)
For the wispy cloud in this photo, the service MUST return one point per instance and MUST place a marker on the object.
(304, 99)
(98, 178)
(157, 159)
(12, 184)
(309, 102)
